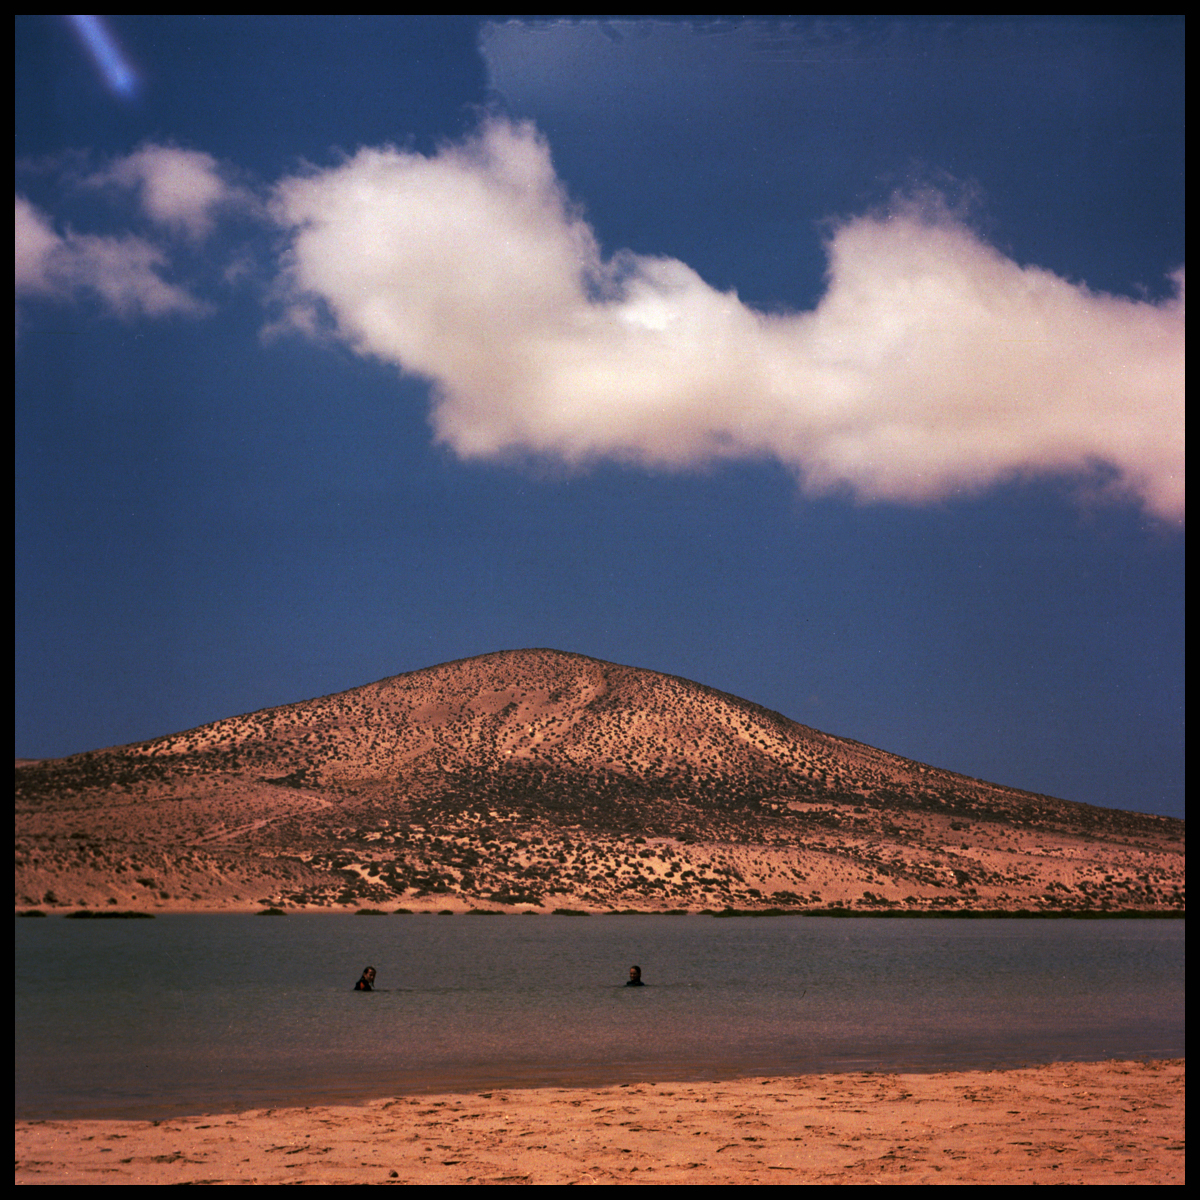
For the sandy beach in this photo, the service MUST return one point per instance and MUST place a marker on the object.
(1108, 1122)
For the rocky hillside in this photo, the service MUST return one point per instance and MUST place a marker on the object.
(536, 778)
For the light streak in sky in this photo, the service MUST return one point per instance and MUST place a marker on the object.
(109, 57)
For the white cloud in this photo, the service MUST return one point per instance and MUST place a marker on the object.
(35, 249)
(933, 364)
(124, 272)
(183, 190)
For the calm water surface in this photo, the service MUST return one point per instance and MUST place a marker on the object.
(195, 1013)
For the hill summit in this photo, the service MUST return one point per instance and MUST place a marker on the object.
(542, 779)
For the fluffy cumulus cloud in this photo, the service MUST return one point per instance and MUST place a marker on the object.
(182, 190)
(932, 365)
(125, 272)
(183, 193)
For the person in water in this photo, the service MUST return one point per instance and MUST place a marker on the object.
(366, 982)
(635, 977)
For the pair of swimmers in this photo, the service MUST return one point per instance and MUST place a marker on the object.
(366, 982)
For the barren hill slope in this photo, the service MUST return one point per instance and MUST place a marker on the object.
(541, 778)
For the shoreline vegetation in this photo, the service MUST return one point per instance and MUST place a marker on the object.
(911, 914)
(1067, 1122)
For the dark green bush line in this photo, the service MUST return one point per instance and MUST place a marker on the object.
(109, 914)
(955, 914)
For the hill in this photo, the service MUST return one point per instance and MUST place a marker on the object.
(542, 779)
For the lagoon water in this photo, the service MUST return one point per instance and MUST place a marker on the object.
(188, 1014)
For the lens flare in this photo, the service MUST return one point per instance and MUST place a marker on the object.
(107, 54)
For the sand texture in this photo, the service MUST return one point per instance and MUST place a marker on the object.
(1112, 1122)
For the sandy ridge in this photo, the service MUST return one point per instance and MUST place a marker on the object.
(535, 780)
(1110, 1122)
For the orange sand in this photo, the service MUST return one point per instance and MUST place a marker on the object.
(1112, 1122)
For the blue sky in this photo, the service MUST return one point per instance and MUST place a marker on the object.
(836, 364)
